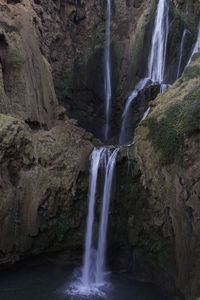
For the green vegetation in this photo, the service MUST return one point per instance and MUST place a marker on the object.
(157, 249)
(192, 116)
(190, 73)
(167, 133)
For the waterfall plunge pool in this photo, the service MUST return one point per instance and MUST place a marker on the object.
(52, 282)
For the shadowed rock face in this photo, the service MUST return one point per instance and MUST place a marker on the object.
(43, 189)
(43, 186)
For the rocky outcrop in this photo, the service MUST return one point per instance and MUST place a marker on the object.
(43, 154)
(26, 85)
(72, 37)
(43, 190)
(167, 150)
(73, 43)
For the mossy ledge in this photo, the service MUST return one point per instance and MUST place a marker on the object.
(175, 115)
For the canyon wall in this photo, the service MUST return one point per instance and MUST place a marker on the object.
(155, 229)
(44, 154)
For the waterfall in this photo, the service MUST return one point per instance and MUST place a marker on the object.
(88, 271)
(93, 271)
(185, 32)
(145, 114)
(100, 262)
(107, 77)
(196, 46)
(139, 86)
(156, 62)
(157, 56)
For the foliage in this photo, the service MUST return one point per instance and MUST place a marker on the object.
(192, 118)
(190, 73)
(167, 133)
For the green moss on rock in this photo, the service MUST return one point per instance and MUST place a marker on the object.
(167, 134)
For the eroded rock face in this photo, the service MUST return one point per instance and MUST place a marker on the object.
(43, 186)
(26, 85)
(167, 150)
(72, 36)
(43, 190)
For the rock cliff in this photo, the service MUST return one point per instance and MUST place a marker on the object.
(167, 150)
(43, 189)
(43, 154)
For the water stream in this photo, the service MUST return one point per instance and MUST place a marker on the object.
(107, 76)
(157, 55)
(101, 251)
(156, 63)
(88, 275)
(93, 277)
(139, 87)
(196, 46)
(179, 71)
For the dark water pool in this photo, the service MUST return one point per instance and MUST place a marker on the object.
(50, 282)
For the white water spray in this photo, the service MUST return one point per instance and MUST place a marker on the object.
(93, 271)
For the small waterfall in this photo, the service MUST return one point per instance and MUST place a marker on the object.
(107, 77)
(185, 32)
(88, 270)
(145, 114)
(93, 271)
(139, 86)
(100, 262)
(196, 46)
(157, 56)
(156, 62)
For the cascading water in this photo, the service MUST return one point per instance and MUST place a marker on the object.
(156, 62)
(93, 270)
(185, 32)
(100, 262)
(196, 46)
(107, 77)
(145, 114)
(139, 86)
(88, 265)
(157, 56)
